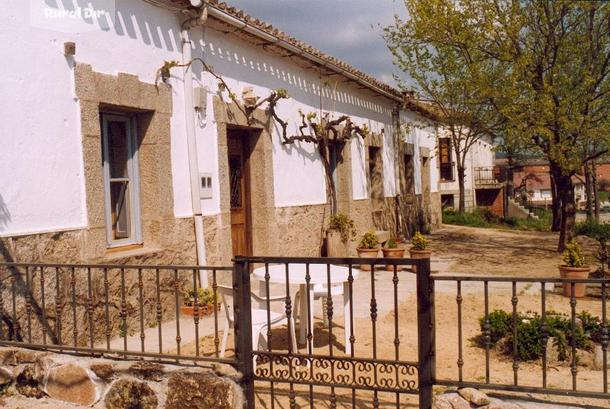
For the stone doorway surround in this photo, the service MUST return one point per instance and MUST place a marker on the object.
(264, 234)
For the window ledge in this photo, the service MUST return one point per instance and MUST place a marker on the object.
(131, 250)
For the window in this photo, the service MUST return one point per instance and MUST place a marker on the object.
(375, 173)
(447, 202)
(409, 174)
(121, 193)
(445, 163)
(545, 193)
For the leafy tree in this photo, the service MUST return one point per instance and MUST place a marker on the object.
(445, 77)
(546, 67)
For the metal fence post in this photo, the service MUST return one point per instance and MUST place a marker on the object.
(242, 310)
(425, 332)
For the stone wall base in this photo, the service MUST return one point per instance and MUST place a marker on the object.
(29, 378)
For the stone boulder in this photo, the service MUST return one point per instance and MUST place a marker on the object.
(449, 401)
(474, 396)
(8, 357)
(103, 371)
(71, 383)
(200, 391)
(131, 394)
(6, 376)
(498, 404)
(29, 382)
(149, 371)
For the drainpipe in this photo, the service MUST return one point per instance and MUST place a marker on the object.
(398, 154)
(189, 110)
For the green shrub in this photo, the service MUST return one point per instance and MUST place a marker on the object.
(418, 241)
(391, 243)
(499, 325)
(511, 221)
(369, 241)
(601, 233)
(473, 219)
(529, 336)
(205, 296)
(484, 218)
(343, 225)
(572, 255)
(529, 333)
(593, 229)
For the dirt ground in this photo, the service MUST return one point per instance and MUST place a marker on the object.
(481, 251)
(465, 250)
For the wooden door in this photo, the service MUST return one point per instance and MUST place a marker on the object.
(239, 192)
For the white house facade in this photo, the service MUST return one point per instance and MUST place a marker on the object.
(103, 160)
(482, 186)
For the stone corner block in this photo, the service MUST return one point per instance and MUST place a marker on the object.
(71, 383)
(130, 393)
(201, 390)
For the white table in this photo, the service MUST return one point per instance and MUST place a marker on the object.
(318, 275)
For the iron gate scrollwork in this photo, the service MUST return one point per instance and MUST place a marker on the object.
(358, 373)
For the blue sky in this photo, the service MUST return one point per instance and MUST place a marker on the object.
(348, 29)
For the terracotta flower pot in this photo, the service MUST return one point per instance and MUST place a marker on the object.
(203, 310)
(367, 253)
(398, 252)
(420, 253)
(574, 273)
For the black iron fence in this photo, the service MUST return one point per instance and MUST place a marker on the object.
(348, 353)
(123, 310)
(529, 330)
(357, 332)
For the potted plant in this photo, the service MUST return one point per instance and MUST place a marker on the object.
(340, 231)
(418, 246)
(393, 249)
(205, 302)
(368, 248)
(574, 268)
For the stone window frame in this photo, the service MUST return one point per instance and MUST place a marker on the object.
(152, 108)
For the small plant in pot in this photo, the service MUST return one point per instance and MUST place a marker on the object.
(393, 249)
(368, 248)
(340, 231)
(574, 268)
(419, 246)
(205, 302)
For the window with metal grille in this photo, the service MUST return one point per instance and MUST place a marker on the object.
(445, 162)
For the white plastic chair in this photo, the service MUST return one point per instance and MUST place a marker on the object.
(259, 320)
(320, 292)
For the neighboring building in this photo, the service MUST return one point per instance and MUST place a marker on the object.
(482, 187)
(100, 164)
(532, 184)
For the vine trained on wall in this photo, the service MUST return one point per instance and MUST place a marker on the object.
(323, 132)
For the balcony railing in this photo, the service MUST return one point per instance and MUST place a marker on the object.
(486, 176)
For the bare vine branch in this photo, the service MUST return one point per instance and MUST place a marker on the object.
(272, 99)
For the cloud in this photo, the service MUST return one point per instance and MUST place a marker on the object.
(347, 29)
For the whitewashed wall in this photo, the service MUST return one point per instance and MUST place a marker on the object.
(41, 171)
(422, 134)
(242, 65)
(481, 154)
